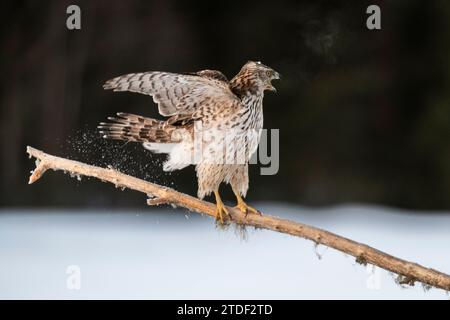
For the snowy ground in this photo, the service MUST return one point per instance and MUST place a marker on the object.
(161, 254)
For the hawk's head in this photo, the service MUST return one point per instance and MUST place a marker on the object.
(260, 75)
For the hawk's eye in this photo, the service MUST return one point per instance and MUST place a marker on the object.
(269, 73)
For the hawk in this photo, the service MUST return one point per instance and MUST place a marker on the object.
(213, 123)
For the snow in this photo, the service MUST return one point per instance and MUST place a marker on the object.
(156, 253)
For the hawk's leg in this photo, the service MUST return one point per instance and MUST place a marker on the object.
(221, 210)
(245, 208)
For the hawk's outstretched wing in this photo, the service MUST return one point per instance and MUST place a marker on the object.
(177, 93)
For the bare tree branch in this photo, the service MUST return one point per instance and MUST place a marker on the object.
(408, 272)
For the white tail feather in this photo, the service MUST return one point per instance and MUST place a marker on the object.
(159, 147)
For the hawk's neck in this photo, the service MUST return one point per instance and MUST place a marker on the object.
(245, 86)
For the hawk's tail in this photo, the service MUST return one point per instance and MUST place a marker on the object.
(130, 127)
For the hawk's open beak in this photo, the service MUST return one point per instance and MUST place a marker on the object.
(275, 76)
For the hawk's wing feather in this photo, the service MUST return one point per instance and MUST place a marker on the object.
(175, 93)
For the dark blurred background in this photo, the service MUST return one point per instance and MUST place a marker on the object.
(364, 116)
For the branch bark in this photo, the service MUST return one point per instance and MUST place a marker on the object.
(408, 272)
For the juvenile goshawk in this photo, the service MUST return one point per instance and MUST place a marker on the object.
(213, 123)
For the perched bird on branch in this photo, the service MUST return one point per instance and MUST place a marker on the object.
(213, 123)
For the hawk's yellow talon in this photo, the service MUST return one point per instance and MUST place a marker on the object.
(221, 209)
(245, 208)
